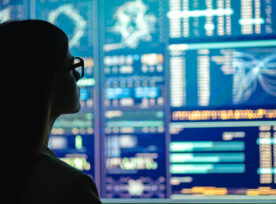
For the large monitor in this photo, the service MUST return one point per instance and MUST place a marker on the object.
(178, 99)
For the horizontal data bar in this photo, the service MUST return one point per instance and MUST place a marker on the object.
(86, 82)
(221, 124)
(270, 141)
(111, 124)
(267, 171)
(206, 146)
(206, 168)
(206, 157)
(224, 45)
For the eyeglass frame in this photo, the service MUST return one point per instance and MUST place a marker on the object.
(79, 64)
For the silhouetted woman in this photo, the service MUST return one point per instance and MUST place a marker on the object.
(38, 84)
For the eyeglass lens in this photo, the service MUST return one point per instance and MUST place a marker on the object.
(79, 69)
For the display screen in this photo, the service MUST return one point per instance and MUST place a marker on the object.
(208, 19)
(178, 98)
(222, 75)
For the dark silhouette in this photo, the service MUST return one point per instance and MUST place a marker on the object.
(38, 84)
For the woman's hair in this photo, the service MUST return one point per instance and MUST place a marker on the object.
(31, 54)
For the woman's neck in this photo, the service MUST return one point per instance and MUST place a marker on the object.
(49, 128)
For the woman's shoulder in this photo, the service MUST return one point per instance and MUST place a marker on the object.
(54, 180)
(50, 165)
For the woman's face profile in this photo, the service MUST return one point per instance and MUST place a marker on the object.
(66, 92)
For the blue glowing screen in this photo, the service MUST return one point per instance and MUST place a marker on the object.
(178, 98)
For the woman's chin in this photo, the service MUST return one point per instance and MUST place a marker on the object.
(75, 109)
(78, 107)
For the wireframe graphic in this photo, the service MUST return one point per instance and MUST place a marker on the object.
(5, 14)
(79, 22)
(249, 70)
(133, 24)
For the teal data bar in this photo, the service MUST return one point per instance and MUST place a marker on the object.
(206, 146)
(224, 45)
(270, 141)
(86, 82)
(81, 121)
(267, 171)
(206, 168)
(206, 157)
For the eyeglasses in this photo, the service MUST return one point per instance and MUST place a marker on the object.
(77, 67)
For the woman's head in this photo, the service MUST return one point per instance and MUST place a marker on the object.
(36, 85)
(35, 52)
(34, 55)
